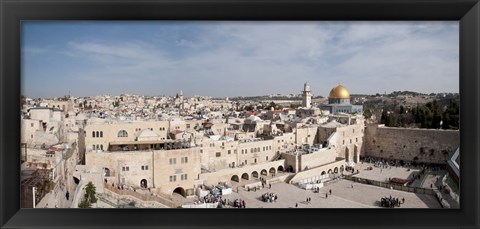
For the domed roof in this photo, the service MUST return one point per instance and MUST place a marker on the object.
(254, 118)
(339, 92)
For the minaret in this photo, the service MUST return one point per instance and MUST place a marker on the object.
(307, 96)
(180, 98)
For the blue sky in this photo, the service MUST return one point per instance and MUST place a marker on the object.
(237, 58)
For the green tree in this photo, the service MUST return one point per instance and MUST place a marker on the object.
(248, 107)
(295, 106)
(89, 196)
(84, 204)
(451, 116)
(384, 118)
(367, 113)
(90, 191)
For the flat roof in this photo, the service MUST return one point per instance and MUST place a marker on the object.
(141, 142)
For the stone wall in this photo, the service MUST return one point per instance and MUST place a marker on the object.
(245, 171)
(312, 160)
(306, 134)
(332, 167)
(421, 145)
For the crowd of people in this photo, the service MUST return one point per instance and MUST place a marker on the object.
(211, 198)
(239, 203)
(391, 202)
(388, 163)
(269, 197)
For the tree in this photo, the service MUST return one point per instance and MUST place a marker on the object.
(90, 192)
(367, 113)
(384, 118)
(451, 116)
(89, 197)
(248, 108)
(84, 204)
(295, 105)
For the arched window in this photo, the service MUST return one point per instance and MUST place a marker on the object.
(122, 134)
(101, 134)
(97, 134)
(101, 147)
(93, 134)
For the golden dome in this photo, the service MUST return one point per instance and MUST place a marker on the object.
(339, 92)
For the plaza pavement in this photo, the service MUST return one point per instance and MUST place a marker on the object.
(383, 174)
(343, 196)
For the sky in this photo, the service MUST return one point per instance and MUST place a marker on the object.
(227, 59)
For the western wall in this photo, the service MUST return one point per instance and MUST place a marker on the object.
(412, 144)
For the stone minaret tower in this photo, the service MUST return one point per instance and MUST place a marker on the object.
(180, 99)
(307, 96)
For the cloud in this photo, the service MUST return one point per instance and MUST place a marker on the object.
(233, 58)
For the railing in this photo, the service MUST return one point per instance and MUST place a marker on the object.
(144, 197)
(393, 186)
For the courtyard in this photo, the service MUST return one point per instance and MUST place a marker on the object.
(343, 196)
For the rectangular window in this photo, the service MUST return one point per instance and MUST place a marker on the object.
(173, 178)
(229, 151)
(184, 176)
(146, 167)
(173, 161)
(218, 154)
(31, 124)
(188, 125)
(123, 168)
(128, 168)
(143, 168)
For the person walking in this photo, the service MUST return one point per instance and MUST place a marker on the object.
(330, 192)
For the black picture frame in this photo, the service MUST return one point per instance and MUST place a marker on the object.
(12, 12)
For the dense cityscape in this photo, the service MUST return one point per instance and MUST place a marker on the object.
(269, 151)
